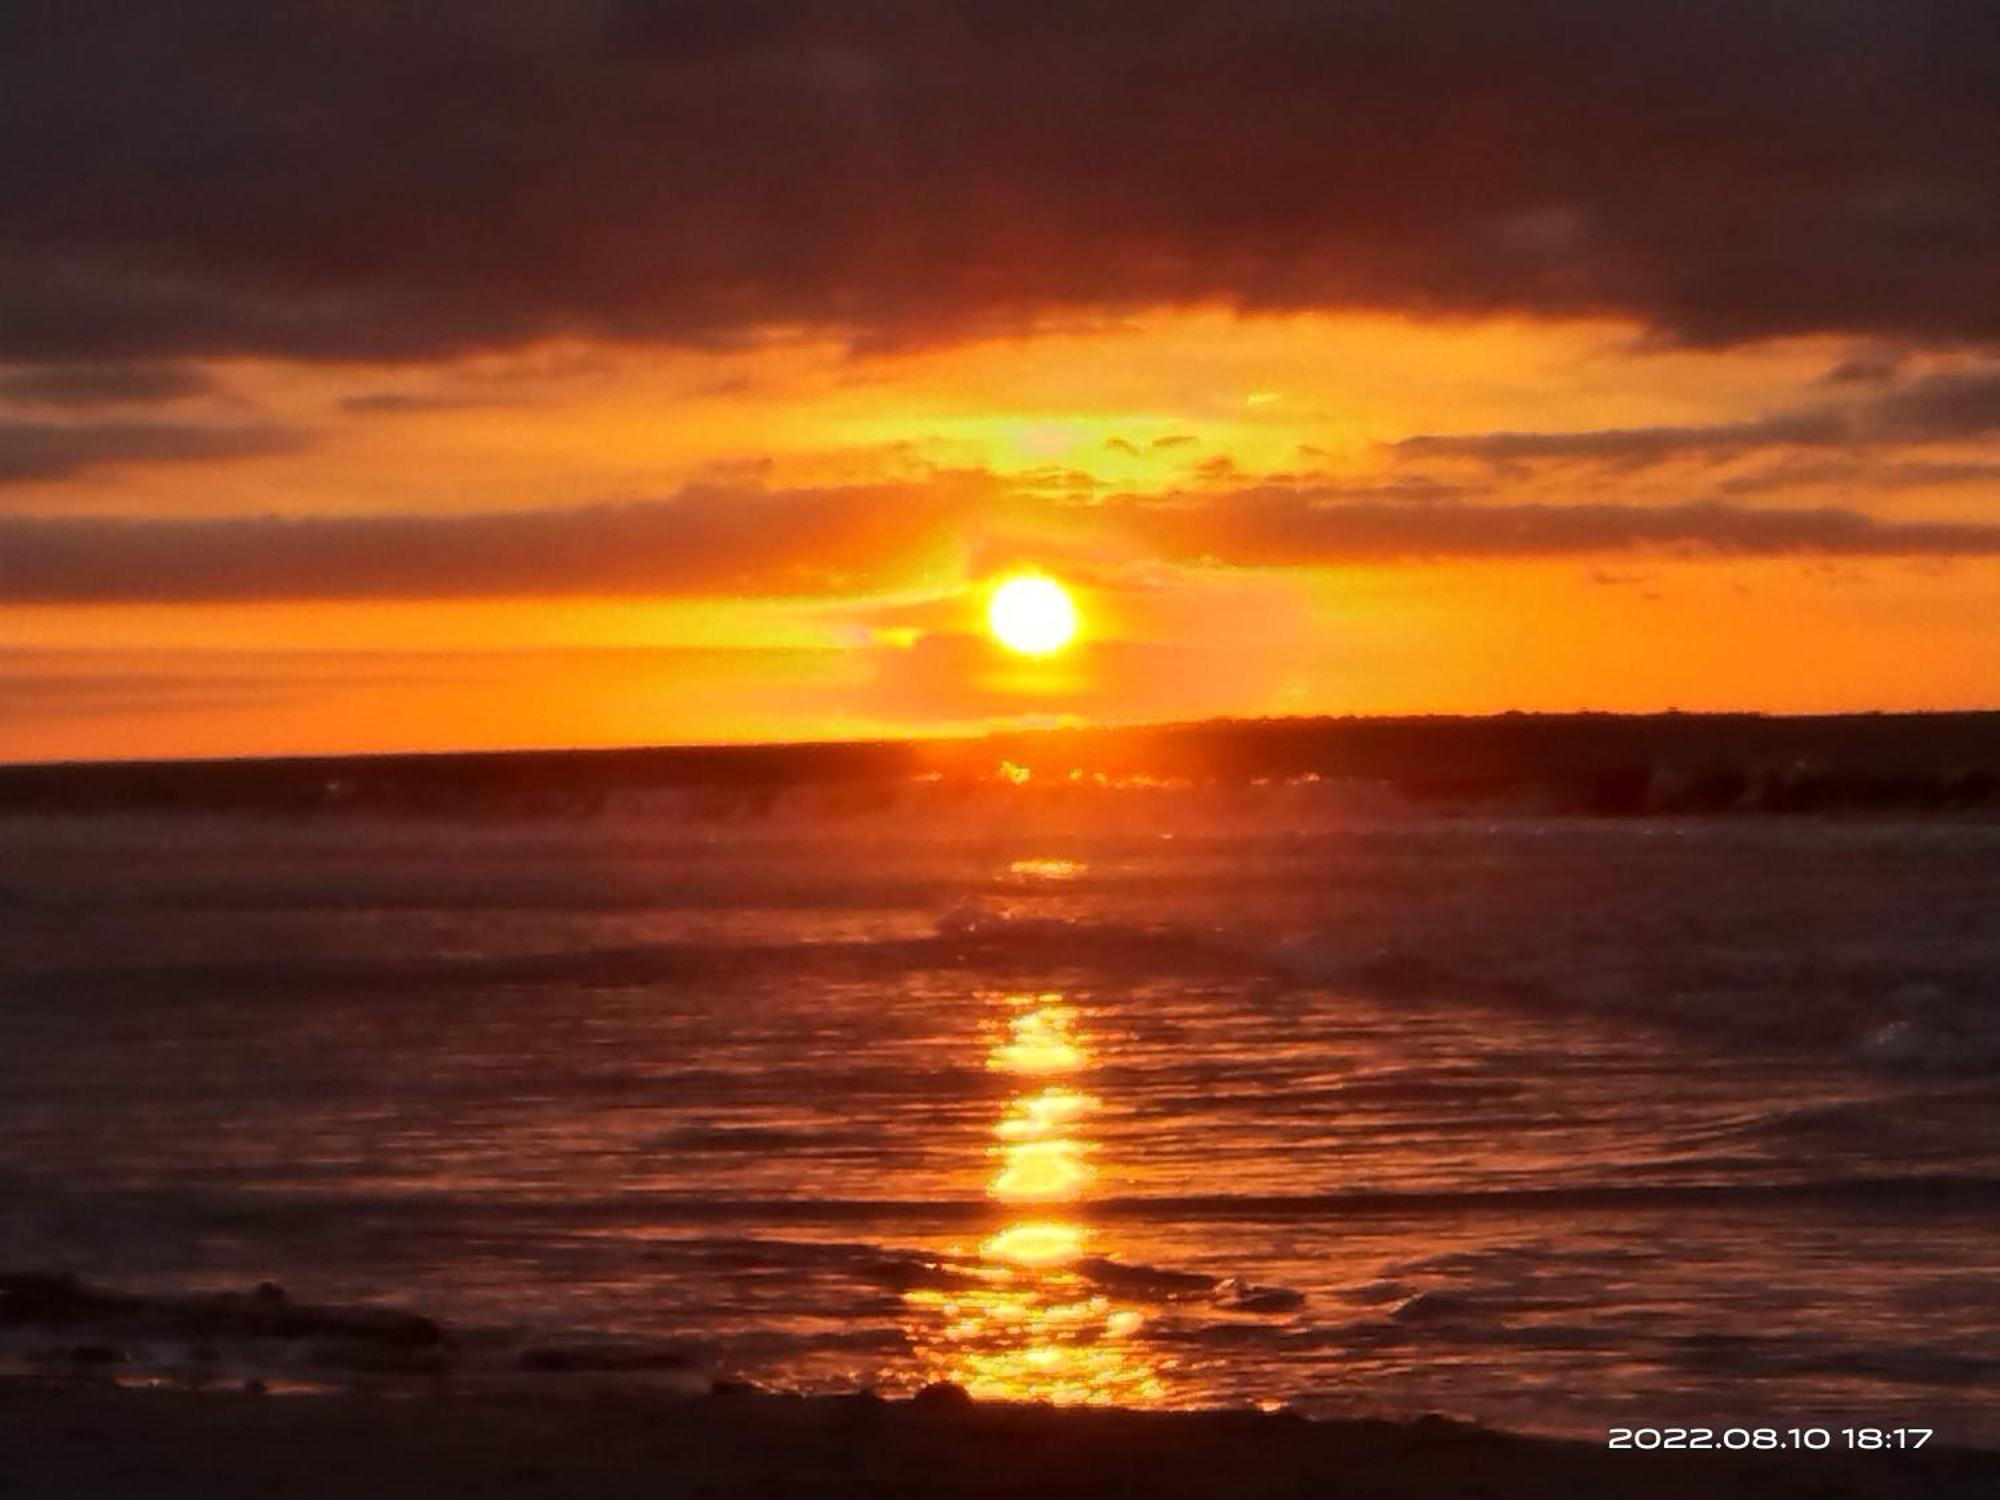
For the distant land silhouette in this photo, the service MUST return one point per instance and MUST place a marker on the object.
(1601, 764)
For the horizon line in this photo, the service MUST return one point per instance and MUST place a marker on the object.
(973, 736)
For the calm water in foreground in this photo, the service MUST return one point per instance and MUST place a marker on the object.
(1136, 1096)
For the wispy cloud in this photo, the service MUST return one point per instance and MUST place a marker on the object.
(721, 540)
(1942, 408)
(704, 540)
(1289, 528)
(113, 384)
(51, 450)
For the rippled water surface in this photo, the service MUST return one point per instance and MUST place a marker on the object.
(1191, 1101)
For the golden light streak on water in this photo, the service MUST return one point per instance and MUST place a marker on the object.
(1027, 1324)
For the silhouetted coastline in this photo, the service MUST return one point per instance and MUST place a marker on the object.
(1591, 764)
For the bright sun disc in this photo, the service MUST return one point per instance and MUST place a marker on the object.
(1032, 615)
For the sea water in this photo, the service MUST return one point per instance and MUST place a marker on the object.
(1139, 1095)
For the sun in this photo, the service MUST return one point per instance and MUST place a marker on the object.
(1031, 614)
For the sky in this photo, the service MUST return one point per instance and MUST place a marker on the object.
(581, 372)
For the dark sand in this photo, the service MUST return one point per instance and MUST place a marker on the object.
(80, 1444)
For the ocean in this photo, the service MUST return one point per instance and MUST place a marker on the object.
(1124, 1092)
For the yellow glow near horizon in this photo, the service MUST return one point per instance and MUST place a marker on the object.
(1141, 448)
(1032, 614)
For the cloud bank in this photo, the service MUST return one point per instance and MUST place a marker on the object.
(54, 450)
(329, 179)
(845, 541)
(1957, 407)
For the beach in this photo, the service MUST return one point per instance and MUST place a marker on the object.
(154, 1445)
(393, 1410)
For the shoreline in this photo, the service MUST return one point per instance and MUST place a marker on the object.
(168, 1444)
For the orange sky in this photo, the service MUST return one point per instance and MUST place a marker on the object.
(879, 495)
(693, 376)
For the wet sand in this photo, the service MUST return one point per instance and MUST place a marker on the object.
(111, 1442)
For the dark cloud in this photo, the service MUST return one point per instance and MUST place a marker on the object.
(1606, 578)
(336, 179)
(55, 685)
(705, 540)
(1632, 446)
(1937, 409)
(1871, 367)
(51, 450)
(377, 403)
(101, 384)
(850, 541)
(1798, 472)
(1281, 528)
(1961, 406)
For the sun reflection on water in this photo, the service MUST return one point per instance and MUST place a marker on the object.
(1027, 1323)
